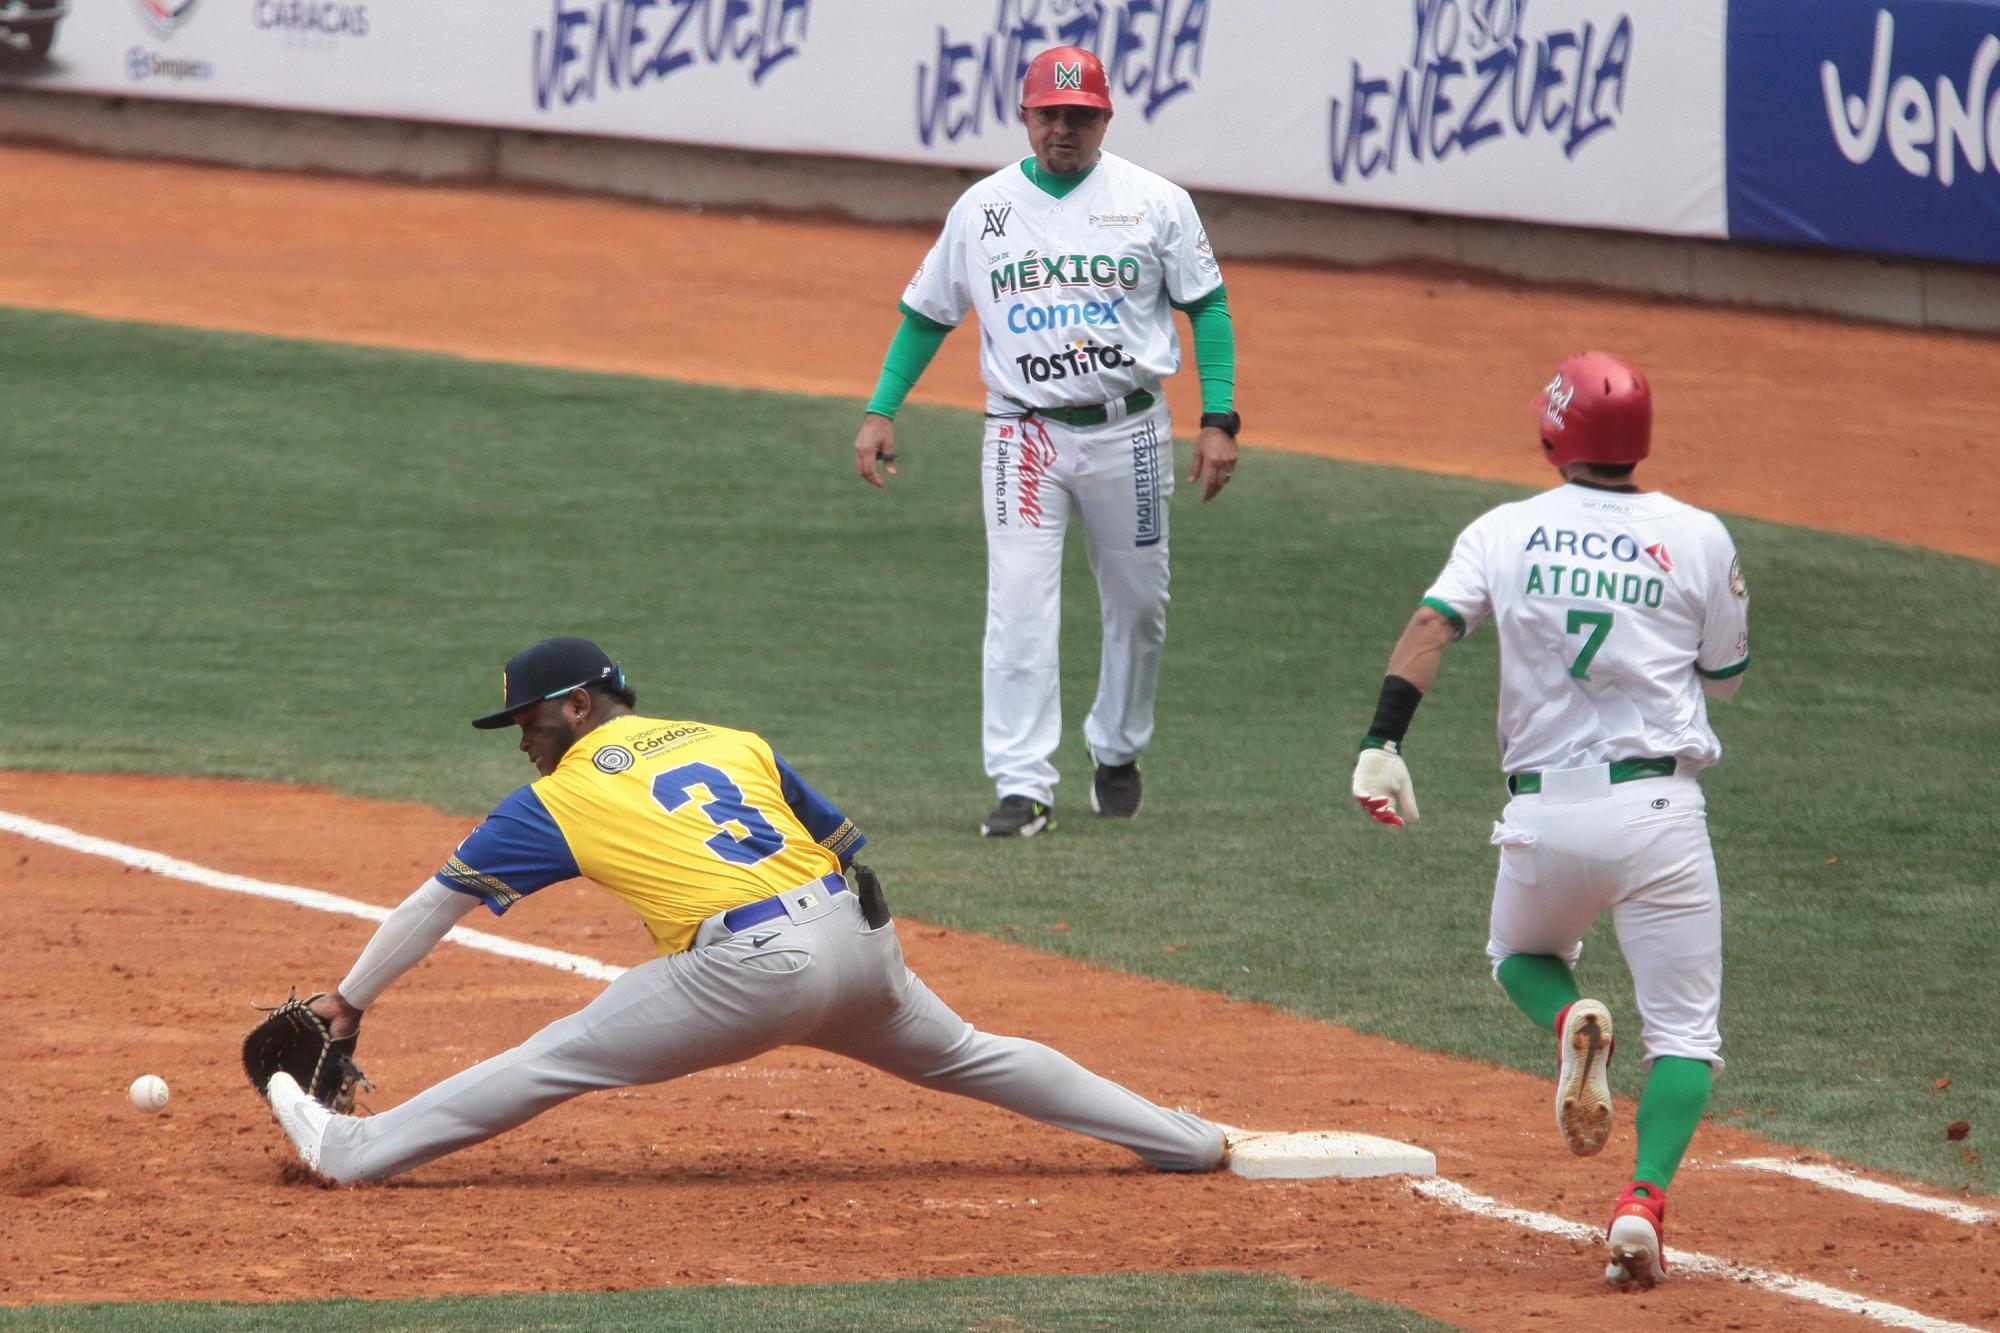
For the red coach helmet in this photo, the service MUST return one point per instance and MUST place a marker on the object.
(1066, 76)
(1597, 409)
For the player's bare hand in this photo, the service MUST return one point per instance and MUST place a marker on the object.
(341, 1017)
(1382, 786)
(875, 444)
(1214, 461)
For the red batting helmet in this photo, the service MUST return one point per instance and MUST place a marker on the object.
(1597, 409)
(1066, 76)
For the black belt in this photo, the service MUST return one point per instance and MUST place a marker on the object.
(1622, 770)
(739, 919)
(1090, 414)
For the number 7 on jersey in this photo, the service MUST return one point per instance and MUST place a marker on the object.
(1599, 625)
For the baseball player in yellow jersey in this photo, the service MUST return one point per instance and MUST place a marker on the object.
(1620, 612)
(734, 864)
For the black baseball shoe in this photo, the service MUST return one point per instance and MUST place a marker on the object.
(1115, 790)
(1017, 817)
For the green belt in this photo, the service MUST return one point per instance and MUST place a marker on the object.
(1092, 414)
(1622, 770)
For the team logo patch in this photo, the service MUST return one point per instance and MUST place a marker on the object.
(1660, 556)
(1736, 583)
(166, 15)
(612, 759)
(1080, 359)
(1003, 463)
(1038, 455)
(1555, 400)
(996, 219)
(1069, 75)
(1148, 514)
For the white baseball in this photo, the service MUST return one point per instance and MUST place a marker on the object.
(149, 1092)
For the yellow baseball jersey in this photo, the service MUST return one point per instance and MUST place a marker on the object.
(680, 819)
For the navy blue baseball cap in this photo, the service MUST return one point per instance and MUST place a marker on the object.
(549, 670)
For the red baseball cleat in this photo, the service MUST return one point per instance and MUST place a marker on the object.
(1637, 1238)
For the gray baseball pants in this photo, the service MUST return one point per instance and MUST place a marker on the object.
(818, 976)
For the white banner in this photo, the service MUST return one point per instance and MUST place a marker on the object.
(1604, 113)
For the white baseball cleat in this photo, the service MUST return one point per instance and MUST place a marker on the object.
(1637, 1238)
(1583, 1083)
(303, 1119)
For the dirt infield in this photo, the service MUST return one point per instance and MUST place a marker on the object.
(802, 1167)
(798, 1167)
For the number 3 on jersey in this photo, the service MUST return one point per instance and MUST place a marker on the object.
(1599, 625)
(724, 807)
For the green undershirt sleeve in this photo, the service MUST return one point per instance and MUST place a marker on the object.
(1214, 349)
(910, 351)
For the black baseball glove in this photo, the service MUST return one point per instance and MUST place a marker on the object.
(295, 1039)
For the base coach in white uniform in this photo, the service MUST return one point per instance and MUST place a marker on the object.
(1619, 611)
(1075, 261)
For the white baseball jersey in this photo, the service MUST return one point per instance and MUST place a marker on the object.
(1073, 294)
(1608, 604)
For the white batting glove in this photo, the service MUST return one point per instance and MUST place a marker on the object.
(1382, 786)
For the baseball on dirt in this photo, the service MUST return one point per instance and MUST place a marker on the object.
(149, 1092)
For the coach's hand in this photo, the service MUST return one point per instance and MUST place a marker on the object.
(1382, 785)
(1214, 460)
(874, 442)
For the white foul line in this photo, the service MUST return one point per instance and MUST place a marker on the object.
(1687, 1261)
(1442, 1191)
(141, 859)
(1834, 1178)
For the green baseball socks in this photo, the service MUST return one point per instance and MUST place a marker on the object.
(1677, 1089)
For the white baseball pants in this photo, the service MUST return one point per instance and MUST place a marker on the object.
(1639, 850)
(815, 977)
(1116, 480)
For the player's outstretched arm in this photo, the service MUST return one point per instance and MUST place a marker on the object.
(402, 941)
(874, 443)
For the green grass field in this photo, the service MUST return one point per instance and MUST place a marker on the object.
(1184, 1303)
(238, 556)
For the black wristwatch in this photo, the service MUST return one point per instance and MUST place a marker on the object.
(1229, 423)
